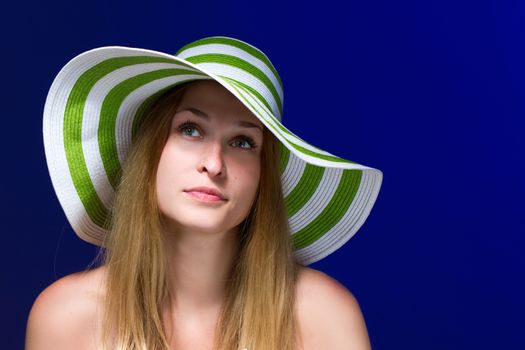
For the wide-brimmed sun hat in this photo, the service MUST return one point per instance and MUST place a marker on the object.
(98, 99)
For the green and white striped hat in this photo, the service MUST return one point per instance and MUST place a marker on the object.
(99, 97)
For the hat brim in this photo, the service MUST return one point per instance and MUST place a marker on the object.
(93, 108)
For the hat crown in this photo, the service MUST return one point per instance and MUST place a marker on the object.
(239, 63)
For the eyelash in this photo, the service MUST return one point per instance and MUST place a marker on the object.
(189, 124)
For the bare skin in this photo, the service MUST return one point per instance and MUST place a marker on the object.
(212, 151)
(66, 314)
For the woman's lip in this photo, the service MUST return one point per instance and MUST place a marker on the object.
(206, 190)
(204, 196)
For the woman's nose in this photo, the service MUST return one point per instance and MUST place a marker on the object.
(212, 161)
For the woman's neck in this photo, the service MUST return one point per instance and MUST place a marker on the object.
(199, 265)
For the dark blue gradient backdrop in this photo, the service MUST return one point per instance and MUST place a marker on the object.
(430, 92)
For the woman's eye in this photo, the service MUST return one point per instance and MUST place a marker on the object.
(191, 130)
(246, 143)
(188, 129)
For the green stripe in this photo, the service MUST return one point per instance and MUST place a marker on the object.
(302, 149)
(73, 130)
(252, 90)
(304, 189)
(278, 123)
(284, 132)
(333, 212)
(238, 44)
(242, 64)
(320, 156)
(235, 84)
(108, 116)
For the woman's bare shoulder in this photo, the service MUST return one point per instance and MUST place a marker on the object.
(65, 314)
(328, 313)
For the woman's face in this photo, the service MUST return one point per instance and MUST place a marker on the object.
(214, 142)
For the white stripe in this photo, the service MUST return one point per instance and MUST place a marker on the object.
(245, 78)
(349, 224)
(91, 120)
(316, 204)
(327, 163)
(90, 232)
(53, 125)
(130, 105)
(234, 51)
(292, 174)
(266, 118)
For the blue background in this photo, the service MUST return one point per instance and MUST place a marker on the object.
(430, 92)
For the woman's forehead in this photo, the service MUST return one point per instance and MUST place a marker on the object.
(209, 98)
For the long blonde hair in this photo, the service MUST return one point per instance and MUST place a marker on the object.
(258, 311)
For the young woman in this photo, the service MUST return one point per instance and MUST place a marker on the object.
(206, 228)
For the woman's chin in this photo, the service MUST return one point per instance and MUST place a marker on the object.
(199, 225)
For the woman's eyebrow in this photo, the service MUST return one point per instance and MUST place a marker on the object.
(203, 115)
